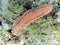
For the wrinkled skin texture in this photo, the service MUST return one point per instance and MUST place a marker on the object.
(29, 17)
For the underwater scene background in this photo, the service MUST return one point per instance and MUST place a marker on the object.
(44, 31)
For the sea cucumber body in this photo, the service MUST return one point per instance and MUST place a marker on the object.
(29, 17)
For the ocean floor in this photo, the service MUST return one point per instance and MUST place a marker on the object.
(44, 31)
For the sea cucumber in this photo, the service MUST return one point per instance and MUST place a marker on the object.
(30, 16)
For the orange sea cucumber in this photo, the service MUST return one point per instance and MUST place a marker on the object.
(29, 17)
